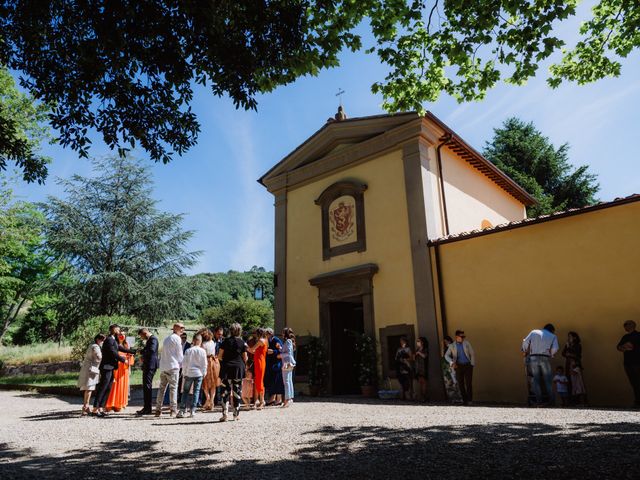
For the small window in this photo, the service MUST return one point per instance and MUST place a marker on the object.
(486, 224)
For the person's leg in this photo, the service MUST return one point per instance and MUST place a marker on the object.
(186, 385)
(99, 390)
(236, 385)
(461, 373)
(633, 374)
(226, 393)
(197, 383)
(106, 381)
(147, 388)
(86, 397)
(547, 375)
(180, 383)
(536, 379)
(469, 379)
(173, 390)
(164, 381)
(285, 380)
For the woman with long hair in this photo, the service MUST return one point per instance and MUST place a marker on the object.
(259, 351)
(90, 371)
(572, 352)
(421, 362)
(119, 396)
(288, 364)
(211, 380)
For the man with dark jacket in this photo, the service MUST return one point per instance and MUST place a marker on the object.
(110, 359)
(149, 367)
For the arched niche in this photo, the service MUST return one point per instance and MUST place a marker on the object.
(343, 223)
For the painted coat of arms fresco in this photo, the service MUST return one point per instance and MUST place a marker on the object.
(342, 220)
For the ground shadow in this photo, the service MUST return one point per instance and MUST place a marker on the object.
(509, 450)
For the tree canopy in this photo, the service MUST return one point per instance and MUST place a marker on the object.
(127, 69)
(527, 156)
(129, 256)
(21, 130)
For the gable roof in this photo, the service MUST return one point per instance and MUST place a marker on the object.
(376, 133)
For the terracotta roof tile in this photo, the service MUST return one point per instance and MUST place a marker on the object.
(539, 219)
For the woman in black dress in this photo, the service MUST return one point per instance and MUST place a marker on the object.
(233, 355)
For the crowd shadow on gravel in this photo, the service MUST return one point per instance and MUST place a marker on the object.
(509, 450)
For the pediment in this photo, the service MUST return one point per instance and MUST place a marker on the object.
(335, 136)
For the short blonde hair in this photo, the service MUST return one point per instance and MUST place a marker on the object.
(235, 329)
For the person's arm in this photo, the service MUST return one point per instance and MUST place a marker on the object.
(448, 355)
(526, 343)
(123, 349)
(554, 346)
(245, 357)
(472, 354)
(204, 364)
(179, 352)
(186, 363)
(113, 348)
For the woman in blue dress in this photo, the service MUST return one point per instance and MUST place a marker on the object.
(273, 373)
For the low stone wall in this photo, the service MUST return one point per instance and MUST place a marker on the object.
(40, 369)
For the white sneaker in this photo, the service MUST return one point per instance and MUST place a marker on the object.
(180, 414)
(192, 414)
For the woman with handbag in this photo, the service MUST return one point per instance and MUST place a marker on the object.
(288, 365)
(90, 371)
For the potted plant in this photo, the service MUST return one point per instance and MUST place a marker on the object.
(317, 364)
(367, 364)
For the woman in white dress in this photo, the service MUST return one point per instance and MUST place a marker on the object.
(90, 371)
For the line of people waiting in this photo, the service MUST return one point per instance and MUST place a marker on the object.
(232, 368)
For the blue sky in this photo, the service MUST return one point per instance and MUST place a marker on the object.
(232, 215)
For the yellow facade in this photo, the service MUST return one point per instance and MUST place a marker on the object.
(388, 245)
(579, 273)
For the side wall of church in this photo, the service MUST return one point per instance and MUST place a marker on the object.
(387, 245)
(579, 273)
(471, 197)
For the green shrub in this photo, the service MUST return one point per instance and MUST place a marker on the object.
(84, 335)
(249, 313)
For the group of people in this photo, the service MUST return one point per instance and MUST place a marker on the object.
(538, 348)
(234, 369)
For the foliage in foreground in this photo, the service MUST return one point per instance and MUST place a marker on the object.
(527, 156)
(139, 61)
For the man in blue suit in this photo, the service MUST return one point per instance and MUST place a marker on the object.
(149, 367)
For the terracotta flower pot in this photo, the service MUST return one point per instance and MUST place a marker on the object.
(368, 391)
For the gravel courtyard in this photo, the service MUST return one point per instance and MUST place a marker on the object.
(44, 437)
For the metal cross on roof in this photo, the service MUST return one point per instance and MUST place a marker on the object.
(339, 94)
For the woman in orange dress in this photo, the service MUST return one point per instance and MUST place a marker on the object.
(119, 396)
(259, 351)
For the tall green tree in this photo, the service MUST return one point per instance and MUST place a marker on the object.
(527, 156)
(125, 250)
(21, 131)
(27, 266)
(128, 68)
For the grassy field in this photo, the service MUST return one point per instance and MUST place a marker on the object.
(37, 353)
(59, 380)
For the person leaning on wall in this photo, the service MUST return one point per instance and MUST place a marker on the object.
(629, 345)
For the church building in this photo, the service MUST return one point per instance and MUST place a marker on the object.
(360, 207)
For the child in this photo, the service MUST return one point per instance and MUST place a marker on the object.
(561, 383)
(247, 389)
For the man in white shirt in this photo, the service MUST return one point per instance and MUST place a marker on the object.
(539, 347)
(194, 369)
(170, 363)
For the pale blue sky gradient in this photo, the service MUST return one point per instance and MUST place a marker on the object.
(215, 182)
